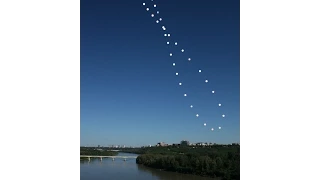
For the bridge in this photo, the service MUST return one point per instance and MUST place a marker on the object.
(113, 157)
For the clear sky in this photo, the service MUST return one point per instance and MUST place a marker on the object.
(130, 94)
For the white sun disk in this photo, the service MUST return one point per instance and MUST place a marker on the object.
(174, 64)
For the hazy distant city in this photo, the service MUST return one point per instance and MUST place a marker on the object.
(163, 144)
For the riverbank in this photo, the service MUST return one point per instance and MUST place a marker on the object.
(215, 162)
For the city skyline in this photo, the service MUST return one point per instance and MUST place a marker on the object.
(155, 144)
(130, 93)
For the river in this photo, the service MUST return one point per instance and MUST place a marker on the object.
(127, 170)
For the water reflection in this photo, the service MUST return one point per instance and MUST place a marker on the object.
(82, 161)
(126, 170)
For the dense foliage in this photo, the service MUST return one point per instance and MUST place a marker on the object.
(213, 161)
(132, 150)
(96, 152)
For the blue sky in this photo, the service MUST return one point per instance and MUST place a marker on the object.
(129, 91)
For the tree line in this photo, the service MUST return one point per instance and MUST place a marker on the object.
(97, 152)
(213, 161)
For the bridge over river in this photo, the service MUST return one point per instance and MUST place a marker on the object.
(113, 157)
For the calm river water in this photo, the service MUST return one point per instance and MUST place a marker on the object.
(127, 170)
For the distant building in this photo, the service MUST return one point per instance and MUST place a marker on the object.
(162, 144)
(184, 143)
(200, 144)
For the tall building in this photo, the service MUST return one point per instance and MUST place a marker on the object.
(184, 143)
